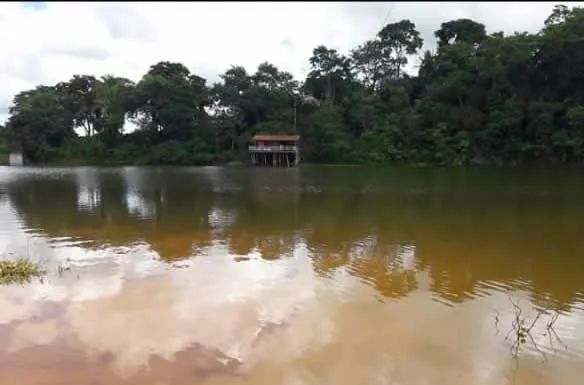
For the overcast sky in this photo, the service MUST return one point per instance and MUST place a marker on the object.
(44, 43)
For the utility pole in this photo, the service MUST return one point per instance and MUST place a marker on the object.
(294, 102)
(294, 113)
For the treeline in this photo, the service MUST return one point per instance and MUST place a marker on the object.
(478, 99)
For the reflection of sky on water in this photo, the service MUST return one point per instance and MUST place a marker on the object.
(88, 190)
(221, 219)
(88, 199)
(136, 185)
(276, 314)
(217, 302)
(137, 205)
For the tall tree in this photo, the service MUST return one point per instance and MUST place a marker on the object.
(384, 57)
(79, 97)
(397, 41)
(114, 98)
(330, 75)
(38, 122)
(461, 31)
(171, 99)
(369, 64)
(229, 107)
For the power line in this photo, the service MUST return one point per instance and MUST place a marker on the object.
(391, 5)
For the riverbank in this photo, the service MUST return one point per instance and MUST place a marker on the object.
(236, 163)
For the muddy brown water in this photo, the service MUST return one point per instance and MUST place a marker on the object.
(312, 275)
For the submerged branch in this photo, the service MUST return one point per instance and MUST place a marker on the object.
(522, 329)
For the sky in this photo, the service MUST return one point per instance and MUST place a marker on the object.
(48, 42)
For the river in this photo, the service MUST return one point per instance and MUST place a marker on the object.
(309, 275)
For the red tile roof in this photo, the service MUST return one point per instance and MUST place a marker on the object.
(276, 138)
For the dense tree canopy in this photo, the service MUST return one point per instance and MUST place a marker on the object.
(461, 31)
(479, 98)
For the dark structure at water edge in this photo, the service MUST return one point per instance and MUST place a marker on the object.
(275, 150)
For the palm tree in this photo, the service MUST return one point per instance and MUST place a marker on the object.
(113, 96)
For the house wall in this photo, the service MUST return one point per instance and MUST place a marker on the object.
(15, 159)
(275, 143)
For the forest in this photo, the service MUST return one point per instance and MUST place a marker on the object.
(478, 99)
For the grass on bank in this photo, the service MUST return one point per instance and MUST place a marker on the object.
(18, 271)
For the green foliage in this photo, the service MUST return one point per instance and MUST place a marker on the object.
(330, 77)
(326, 138)
(477, 99)
(398, 40)
(171, 101)
(39, 121)
(384, 143)
(461, 31)
(3, 145)
(113, 96)
(78, 96)
(18, 271)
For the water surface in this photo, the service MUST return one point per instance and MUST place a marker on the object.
(311, 275)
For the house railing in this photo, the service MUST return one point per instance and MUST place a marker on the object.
(275, 148)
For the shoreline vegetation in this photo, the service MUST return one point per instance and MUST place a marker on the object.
(18, 271)
(477, 99)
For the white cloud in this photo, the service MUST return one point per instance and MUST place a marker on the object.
(45, 45)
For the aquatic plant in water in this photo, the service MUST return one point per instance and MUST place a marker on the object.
(18, 271)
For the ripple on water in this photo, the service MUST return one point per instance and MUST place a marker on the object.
(58, 242)
(488, 287)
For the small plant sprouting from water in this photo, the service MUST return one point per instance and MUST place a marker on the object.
(522, 329)
(18, 271)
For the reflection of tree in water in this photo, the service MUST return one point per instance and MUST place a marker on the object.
(512, 245)
(387, 268)
(470, 235)
(163, 212)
